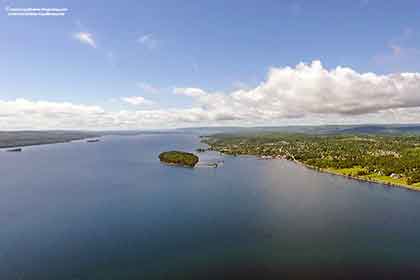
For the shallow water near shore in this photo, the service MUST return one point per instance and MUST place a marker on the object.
(111, 210)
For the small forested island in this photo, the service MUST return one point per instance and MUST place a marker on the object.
(179, 158)
(382, 158)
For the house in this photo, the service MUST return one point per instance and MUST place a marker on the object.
(395, 176)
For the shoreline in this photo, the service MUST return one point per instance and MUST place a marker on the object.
(326, 171)
(4, 147)
(366, 180)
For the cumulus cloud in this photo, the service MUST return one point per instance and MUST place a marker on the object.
(23, 113)
(312, 89)
(136, 100)
(304, 94)
(85, 38)
(192, 92)
(27, 114)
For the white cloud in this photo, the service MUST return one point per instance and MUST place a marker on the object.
(27, 114)
(147, 88)
(148, 41)
(309, 91)
(85, 38)
(312, 89)
(305, 94)
(136, 100)
(23, 113)
(192, 92)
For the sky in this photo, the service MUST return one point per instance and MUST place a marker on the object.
(166, 64)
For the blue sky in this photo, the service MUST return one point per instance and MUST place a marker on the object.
(147, 49)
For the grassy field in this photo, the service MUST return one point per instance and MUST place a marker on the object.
(357, 170)
(353, 171)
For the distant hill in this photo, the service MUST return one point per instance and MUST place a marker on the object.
(10, 139)
(323, 129)
(377, 129)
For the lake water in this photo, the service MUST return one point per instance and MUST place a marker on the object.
(110, 210)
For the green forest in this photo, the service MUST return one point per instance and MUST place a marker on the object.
(179, 158)
(392, 159)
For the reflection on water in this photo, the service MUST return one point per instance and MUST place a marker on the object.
(110, 210)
